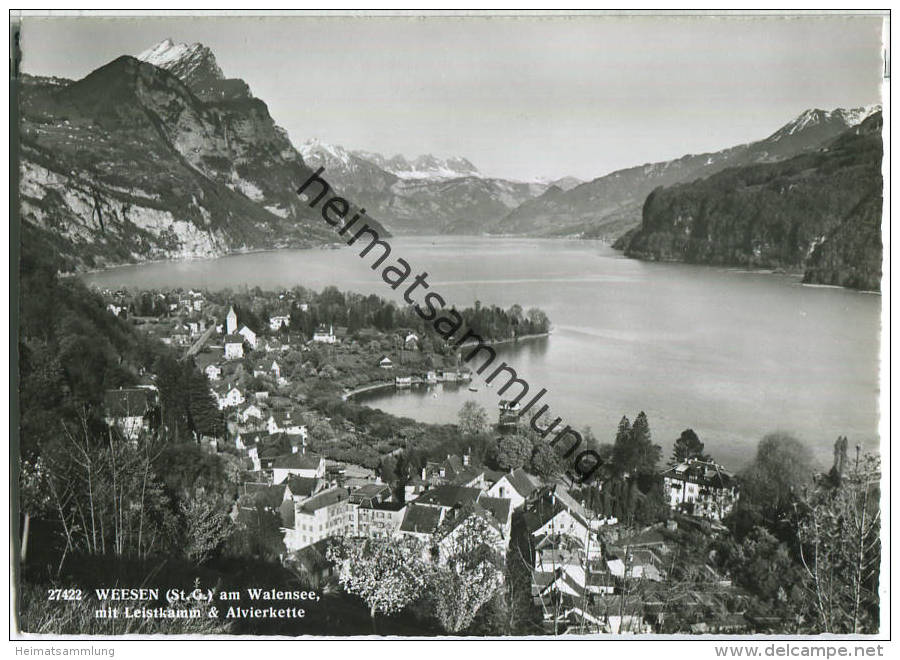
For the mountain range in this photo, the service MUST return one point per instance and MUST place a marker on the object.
(610, 205)
(425, 195)
(163, 156)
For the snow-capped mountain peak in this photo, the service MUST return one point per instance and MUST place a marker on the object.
(181, 58)
(196, 66)
(426, 166)
(856, 116)
(314, 150)
(814, 117)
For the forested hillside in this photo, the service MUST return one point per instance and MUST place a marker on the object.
(819, 212)
(72, 349)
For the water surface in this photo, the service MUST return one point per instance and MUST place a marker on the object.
(731, 354)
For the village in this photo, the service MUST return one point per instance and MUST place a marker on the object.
(587, 571)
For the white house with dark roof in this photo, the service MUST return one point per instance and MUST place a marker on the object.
(128, 408)
(517, 486)
(324, 335)
(284, 421)
(275, 322)
(374, 518)
(249, 336)
(322, 516)
(555, 513)
(234, 347)
(453, 538)
(251, 411)
(231, 398)
(213, 371)
(301, 465)
(701, 488)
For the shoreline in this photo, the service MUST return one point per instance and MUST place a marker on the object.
(382, 385)
(334, 245)
(511, 340)
(371, 387)
(212, 257)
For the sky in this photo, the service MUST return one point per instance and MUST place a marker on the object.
(521, 97)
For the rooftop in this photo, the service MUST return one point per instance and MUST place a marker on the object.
(302, 486)
(498, 506)
(325, 499)
(450, 496)
(705, 473)
(297, 462)
(523, 482)
(421, 519)
(129, 402)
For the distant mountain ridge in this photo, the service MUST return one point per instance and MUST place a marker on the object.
(426, 196)
(819, 212)
(422, 167)
(610, 205)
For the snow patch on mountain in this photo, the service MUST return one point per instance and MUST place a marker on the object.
(814, 116)
(181, 58)
(318, 152)
(426, 166)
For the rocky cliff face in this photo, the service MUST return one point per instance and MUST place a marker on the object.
(611, 205)
(133, 163)
(819, 212)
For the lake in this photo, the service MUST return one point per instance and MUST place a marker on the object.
(732, 354)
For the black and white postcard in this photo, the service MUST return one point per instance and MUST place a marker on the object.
(451, 324)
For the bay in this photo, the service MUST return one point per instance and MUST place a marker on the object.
(732, 354)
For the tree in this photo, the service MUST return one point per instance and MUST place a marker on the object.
(648, 454)
(841, 550)
(513, 451)
(651, 505)
(469, 575)
(257, 533)
(633, 450)
(388, 469)
(473, 419)
(203, 411)
(779, 472)
(538, 320)
(206, 524)
(686, 447)
(107, 497)
(388, 574)
(460, 591)
(763, 565)
(545, 461)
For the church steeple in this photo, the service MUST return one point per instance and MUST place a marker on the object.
(231, 321)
